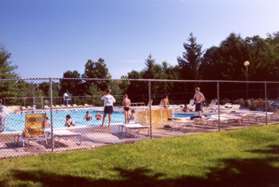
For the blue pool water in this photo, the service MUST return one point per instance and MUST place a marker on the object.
(15, 122)
(184, 115)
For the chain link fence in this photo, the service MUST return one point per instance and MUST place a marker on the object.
(52, 114)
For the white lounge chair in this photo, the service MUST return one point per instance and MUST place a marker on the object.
(228, 107)
(214, 120)
(64, 133)
(212, 107)
(128, 128)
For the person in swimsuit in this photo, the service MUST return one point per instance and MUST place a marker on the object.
(199, 99)
(126, 106)
(69, 121)
(88, 116)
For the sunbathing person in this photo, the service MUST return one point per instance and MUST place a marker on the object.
(88, 116)
(185, 109)
(69, 121)
(46, 123)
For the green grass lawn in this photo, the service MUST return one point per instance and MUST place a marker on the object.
(247, 157)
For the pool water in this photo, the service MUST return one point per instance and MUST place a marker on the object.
(15, 122)
(184, 115)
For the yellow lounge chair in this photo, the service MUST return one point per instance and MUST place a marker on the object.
(34, 128)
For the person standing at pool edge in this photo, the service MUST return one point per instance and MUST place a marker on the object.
(108, 106)
(199, 99)
(126, 106)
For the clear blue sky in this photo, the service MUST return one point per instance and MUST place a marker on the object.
(48, 37)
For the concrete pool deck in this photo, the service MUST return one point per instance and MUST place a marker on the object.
(98, 137)
(94, 136)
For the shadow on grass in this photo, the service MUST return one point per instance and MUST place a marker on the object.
(236, 172)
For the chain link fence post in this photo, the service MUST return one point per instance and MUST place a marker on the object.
(150, 108)
(50, 112)
(265, 96)
(218, 99)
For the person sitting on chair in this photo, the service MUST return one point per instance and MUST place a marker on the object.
(46, 123)
(165, 102)
(131, 116)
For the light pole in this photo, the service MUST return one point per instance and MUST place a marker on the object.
(246, 65)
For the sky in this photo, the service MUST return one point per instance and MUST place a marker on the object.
(49, 37)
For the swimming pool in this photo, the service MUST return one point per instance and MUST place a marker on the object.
(15, 122)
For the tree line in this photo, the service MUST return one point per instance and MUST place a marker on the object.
(222, 62)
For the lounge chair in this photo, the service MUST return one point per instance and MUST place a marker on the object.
(250, 117)
(212, 107)
(213, 120)
(228, 107)
(34, 128)
(63, 133)
(128, 128)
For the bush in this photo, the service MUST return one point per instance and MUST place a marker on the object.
(257, 104)
(225, 100)
(240, 102)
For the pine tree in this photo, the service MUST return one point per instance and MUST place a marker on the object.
(190, 61)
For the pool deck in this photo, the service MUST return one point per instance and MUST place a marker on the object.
(95, 137)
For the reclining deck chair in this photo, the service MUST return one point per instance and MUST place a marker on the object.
(34, 128)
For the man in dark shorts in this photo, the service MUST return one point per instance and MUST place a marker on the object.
(108, 106)
(126, 106)
(199, 99)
